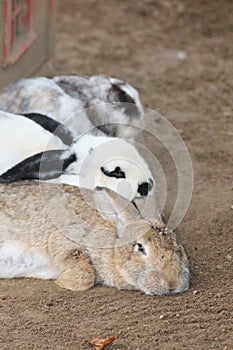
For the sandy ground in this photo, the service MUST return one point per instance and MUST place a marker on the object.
(140, 41)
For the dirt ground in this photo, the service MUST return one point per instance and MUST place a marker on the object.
(178, 54)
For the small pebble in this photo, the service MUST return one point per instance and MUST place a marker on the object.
(195, 292)
(161, 317)
(227, 113)
(182, 55)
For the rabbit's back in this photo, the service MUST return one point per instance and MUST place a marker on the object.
(44, 96)
(85, 104)
(34, 210)
(38, 94)
(21, 138)
(32, 243)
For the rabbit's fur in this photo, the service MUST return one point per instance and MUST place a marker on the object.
(80, 247)
(97, 104)
(28, 151)
(21, 138)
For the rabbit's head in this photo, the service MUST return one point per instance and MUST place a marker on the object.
(155, 263)
(113, 163)
(121, 111)
(147, 257)
(112, 105)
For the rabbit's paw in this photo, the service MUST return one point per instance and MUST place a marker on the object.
(78, 274)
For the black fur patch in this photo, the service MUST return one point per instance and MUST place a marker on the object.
(44, 166)
(117, 173)
(108, 129)
(145, 187)
(129, 103)
(122, 96)
(56, 128)
(76, 88)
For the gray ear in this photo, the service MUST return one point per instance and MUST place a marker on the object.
(44, 166)
(117, 94)
(115, 208)
(56, 128)
(76, 86)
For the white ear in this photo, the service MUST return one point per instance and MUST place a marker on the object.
(115, 208)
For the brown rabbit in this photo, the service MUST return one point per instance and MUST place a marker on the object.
(54, 232)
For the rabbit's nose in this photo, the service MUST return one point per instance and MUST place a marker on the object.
(172, 283)
(172, 290)
(145, 187)
(171, 280)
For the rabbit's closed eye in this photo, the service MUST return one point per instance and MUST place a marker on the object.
(117, 172)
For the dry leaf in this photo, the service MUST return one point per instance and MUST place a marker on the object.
(100, 343)
(2, 298)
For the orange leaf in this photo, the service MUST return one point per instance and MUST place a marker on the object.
(100, 343)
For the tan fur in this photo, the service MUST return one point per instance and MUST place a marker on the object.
(84, 248)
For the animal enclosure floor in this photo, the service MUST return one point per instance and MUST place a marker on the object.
(178, 54)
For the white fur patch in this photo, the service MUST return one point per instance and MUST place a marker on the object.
(21, 138)
(17, 261)
(96, 152)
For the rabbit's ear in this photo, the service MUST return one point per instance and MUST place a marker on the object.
(44, 166)
(148, 208)
(76, 86)
(115, 208)
(56, 128)
(117, 94)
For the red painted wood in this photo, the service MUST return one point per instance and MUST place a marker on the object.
(6, 40)
(13, 46)
(52, 10)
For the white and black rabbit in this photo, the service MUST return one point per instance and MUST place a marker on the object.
(98, 104)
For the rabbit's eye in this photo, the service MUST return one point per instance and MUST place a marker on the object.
(140, 248)
(117, 172)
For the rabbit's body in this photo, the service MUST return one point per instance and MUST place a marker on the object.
(21, 138)
(83, 103)
(79, 248)
(28, 150)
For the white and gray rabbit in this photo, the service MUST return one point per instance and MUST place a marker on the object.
(98, 104)
(113, 246)
(35, 147)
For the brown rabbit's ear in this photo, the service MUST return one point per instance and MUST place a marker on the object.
(148, 209)
(115, 208)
